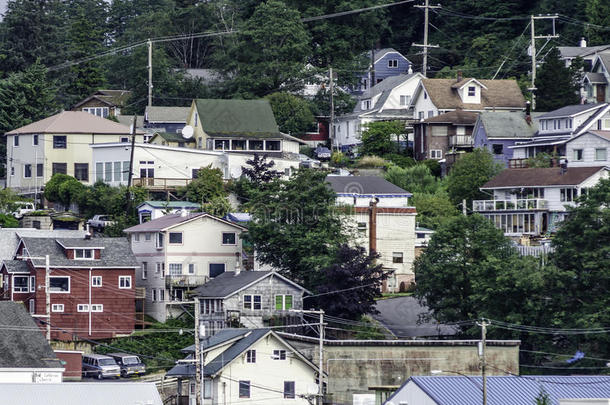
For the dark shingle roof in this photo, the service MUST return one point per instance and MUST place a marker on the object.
(596, 78)
(499, 93)
(233, 117)
(510, 390)
(367, 185)
(532, 177)
(16, 266)
(173, 137)
(116, 252)
(228, 283)
(570, 110)
(574, 51)
(24, 345)
(224, 335)
(457, 117)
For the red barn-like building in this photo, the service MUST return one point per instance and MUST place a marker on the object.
(92, 285)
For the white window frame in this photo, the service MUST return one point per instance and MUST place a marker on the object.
(582, 155)
(605, 151)
(154, 295)
(21, 289)
(161, 295)
(122, 280)
(279, 354)
(15, 141)
(82, 308)
(24, 175)
(251, 356)
(192, 268)
(393, 63)
(57, 307)
(32, 284)
(62, 292)
(144, 270)
(35, 140)
(97, 307)
(229, 244)
(96, 281)
(251, 304)
(283, 302)
(32, 306)
(436, 153)
(136, 237)
(169, 238)
(175, 269)
(472, 91)
(82, 251)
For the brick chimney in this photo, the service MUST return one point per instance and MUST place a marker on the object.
(373, 226)
(528, 113)
(459, 76)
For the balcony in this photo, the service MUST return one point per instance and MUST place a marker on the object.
(184, 281)
(159, 183)
(462, 141)
(509, 205)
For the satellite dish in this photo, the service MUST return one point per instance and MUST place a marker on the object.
(187, 132)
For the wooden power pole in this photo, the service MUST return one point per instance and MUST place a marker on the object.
(425, 45)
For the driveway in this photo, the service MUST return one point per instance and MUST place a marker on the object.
(401, 315)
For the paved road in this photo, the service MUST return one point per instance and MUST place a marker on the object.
(401, 315)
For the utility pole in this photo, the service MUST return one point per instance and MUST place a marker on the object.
(483, 326)
(533, 38)
(372, 83)
(332, 109)
(425, 45)
(150, 85)
(320, 312)
(197, 354)
(47, 287)
(130, 174)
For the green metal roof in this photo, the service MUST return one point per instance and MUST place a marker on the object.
(245, 117)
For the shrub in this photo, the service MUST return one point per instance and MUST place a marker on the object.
(400, 160)
(339, 159)
(371, 162)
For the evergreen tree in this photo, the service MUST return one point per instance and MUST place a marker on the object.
(555, 84)
(272, 52)
(32, 30)
(598, 13)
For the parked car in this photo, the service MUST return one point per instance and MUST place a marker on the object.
(22, 208)
(99, 222)
(322, 152)
(129, 364)
(306, 161)
(100, 366)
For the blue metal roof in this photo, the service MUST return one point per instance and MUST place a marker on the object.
(507, 390)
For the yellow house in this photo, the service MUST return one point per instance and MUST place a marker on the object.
(239, 126)
(61, 144)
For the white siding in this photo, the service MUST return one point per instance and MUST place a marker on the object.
(588, 143)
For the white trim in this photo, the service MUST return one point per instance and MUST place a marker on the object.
(125, 278)
(61, 292)
(93, 283)
(54, 306)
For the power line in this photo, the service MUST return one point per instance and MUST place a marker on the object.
(360, 10)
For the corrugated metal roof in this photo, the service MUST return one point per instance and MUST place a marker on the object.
(79, 393)
(510, 390)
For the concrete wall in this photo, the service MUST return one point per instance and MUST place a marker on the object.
(354, 366)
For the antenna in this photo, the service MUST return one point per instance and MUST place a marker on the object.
(187, 132)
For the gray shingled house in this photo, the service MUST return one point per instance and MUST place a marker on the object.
(250, 298)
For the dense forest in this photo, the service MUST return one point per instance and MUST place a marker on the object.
(259, 47)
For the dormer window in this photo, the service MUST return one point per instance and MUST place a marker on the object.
(83, 254)
(366, 104)
(472, 91)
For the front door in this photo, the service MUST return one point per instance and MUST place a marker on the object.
(601, 93)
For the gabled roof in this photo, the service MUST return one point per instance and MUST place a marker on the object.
(172, 137)
(171, 204)
(79, 393)
(10, 238)
(380, 53)
(507, 124)
(228, 283)
(574, 51)
(497, 93)
(116, 252)
(388, 84)
(604, 58)
(222, 337)
(571, 110)
(166, 114)
(111, 98)
(241, 343)
(508, 390)
(128, 120)
(23, 345)
(364, 185)
(15, 266)
(464, 82)
(457, 117)
(595, 78)
(236, 117)
(541, 177)
(169, 221)
(73, 122)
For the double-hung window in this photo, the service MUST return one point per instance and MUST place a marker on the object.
(27, 171)
(252, 302)
(175, 269)
(283, 302)
(251, 356)
(289, 390)
(124, 282)
(244, 389)
(96, 281)
(279, 355)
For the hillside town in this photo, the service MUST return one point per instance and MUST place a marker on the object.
(268, 202)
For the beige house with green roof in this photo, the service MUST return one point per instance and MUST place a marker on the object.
(241, 126)
(61, 144)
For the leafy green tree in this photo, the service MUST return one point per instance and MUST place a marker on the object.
(344, 103)
(63, 189)
(352, 267)
(292, 113)
(295, 226)
(415, 179)
(381, 137)
(206, 187)
(555, 84)
(543, 397)
(272, 51)
(541, 160)
(433, 210)
(8, 221)
(469, 173)
(470, 270)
